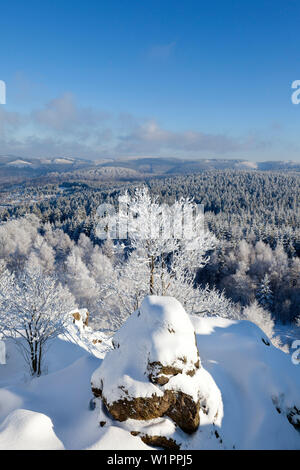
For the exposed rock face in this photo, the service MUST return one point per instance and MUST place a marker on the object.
(141, 408)
(155, 368)
(160, 441)
(185, 412)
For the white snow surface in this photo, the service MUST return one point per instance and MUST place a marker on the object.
(252, 377)
(19, 163)
(52, 411)
(28, 430)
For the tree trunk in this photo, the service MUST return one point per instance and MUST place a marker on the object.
(39, 365)
(152, 276)
(33, 359)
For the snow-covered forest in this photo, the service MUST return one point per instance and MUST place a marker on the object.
(254, 217)
(66, 283)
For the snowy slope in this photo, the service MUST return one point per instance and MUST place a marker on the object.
(53, 411)
(251, 377)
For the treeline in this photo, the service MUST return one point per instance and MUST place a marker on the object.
(249, 206)
(239, 205)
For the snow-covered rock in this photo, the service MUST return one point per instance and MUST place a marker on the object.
(79, 332)
(80, 317)
(154, 370)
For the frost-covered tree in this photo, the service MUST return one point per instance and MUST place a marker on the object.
(86, 248)
(79, 280)
(43, 254)
(124, 289)
(211, 303)
(166, 246)
(264, 294)
(108, 249)
(59, 241)
(34, 310)
(16, 240)
(294, 274)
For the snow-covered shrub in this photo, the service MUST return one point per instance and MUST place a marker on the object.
(212, 302)
(34, 309)
(262, 318)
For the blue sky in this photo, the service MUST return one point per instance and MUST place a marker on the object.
(112, 78)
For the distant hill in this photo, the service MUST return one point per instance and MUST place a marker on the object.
(170, 166)
(16, 169)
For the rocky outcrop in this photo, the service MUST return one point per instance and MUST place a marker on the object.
(154, 370)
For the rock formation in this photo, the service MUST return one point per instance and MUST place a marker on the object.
(154, 369)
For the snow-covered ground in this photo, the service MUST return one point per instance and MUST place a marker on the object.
(287, 334)
(259, 386)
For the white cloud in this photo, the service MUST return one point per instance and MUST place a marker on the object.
(63, 114)
(9, 121)
(149, 137)
(63, 127)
